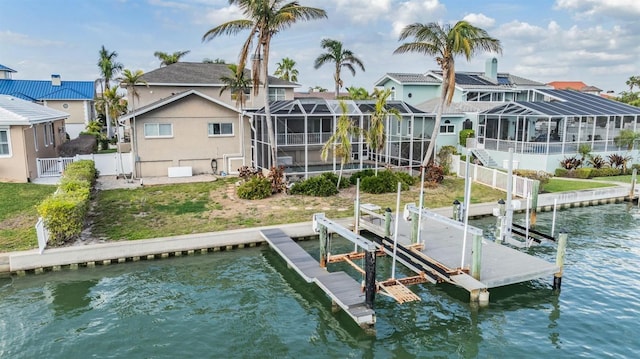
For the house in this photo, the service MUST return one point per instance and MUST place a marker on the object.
(188, 133)
(544, 132)
(303, 126)
(73, 97)
(576, 86)
(28, 133)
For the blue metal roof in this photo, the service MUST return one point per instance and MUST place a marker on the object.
(34, 90)
(4, 68)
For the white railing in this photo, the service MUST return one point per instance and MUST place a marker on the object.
(497, 179)
(52, 167)
(314, 138)
(43, 234)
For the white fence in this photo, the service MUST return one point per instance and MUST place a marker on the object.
(43, 234)
(107, 164)
(494, 178)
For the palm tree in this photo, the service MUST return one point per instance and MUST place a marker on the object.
(217, 60)
(130, 80)
(376, 136)
(341, 57)
(237, 83)
(167, 59)
(264, 19)
(340, 142)
(445, 42)
(109, 68)
(286, 70)
(111, 103)
(633, 81)
(359, 93)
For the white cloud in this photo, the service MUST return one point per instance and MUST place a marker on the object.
(480, 20)
(9, 37)
(409, 12)
(621, 9)
(362, 11)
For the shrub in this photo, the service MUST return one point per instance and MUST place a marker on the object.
(276, 177)
(605, 172)
(361, 174)
(444, 157)
(464, 134)
(344, 182)
(433, 176)
(583, 172)
(541, 176)
(385, 182)
(406, 178)
(597, 161)
(255, 188)
(571, 163)
(562, 172)
(320, 186)
(246, 172)
(84, 170)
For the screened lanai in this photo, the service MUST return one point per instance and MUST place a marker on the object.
(558, 125)
(303, 126)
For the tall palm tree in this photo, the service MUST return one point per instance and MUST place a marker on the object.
(111, 103)
(167, 59)
(130, 80)
(109, 68)
(237, 83)
(264, 19)
(340, 142)
(359, 93)
(286, 70)
(341, 57)
(633, 81)
(376, 136)
(445, 42)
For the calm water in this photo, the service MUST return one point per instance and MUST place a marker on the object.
(247, 304)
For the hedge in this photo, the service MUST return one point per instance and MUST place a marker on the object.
(255, 188)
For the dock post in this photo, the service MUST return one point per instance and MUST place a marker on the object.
(535, 189)
(370, 278)
(323, 245)
(500, 221)
(633, 184)
(415, 227)
(476, 256)
(456, 210)
(387, 222)
(562, 247)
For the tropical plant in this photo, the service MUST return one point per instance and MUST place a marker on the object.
(167, 59)
(627, 139)
(340, 142)
(444, 158)
(339, 56)
(584, 150)
(286, 70)
(237, 84)
(618, 161)
(130, 80)
(464, 134)
(109, 68)
(570, 163)
(359, 93)
(264, 19)
(633, 81)
(112, 104)
(376, 136)
(207, 60)
(597, 161)
(445, 42)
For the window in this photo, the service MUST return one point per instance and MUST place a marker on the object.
(276, 94)
(447, 127)
(5, 148)
(49, 138)
(220, 129)
(158, 130)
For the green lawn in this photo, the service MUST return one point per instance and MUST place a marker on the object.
(621, 178)
(18, 214)
(561, 185)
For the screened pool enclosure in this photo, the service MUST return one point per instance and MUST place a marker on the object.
(303, 126)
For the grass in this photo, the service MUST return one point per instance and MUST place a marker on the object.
(18, 214)
(621, 178)
(562, 185)
(161, 211)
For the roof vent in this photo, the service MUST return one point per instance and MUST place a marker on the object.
(55, 80)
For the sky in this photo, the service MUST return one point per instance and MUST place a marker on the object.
(594, 41)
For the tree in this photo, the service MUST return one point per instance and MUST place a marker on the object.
(111, 103)
(237, 84)
(445, 42)
(627, 139)
(264, 19)
(167, 59)
(341, 57)
(376, 136)
(317, 88)
(340, 142)
(217, 60)
(109, 68)
(130, 80)
(286, 70)
(359, 93)
(633, 81)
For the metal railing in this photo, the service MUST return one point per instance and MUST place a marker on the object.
(549, 148)
(52, 167)
(522, 187)
(296, 139)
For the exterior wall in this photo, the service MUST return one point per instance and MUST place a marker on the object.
(190, 144)
(80, 113)
(415, 94)
(14, 168)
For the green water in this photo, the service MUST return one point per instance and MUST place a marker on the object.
(247, 304)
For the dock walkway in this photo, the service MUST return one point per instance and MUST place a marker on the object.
(343, 290)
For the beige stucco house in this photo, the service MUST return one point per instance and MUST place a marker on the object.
(188, 133)
(28, 131)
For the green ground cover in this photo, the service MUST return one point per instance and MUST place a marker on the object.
(18, 214)
(562, 185)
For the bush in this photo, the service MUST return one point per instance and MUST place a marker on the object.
(276, 176)
(385, 182)
(255, 188)
(406, 178)
(541, 176)
(361, 174)
(84, 170)
(433, 176)
(464, 134)
(444, 157)
(562, 172)
(320, 186)
(344, 182)
(605, 172)
(583, 172)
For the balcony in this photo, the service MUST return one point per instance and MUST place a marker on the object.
(297, 139)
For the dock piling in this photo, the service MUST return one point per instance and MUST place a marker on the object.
(456, 210)
(370, 278)
(387, 222)
(476, 256)
(562, 247)
(323, 245)
(415, 227)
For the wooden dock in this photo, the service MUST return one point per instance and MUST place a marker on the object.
(343, 290)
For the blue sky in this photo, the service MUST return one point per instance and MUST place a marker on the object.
(595, 41)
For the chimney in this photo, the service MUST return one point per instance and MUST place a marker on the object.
(491, 69)
(55, 80)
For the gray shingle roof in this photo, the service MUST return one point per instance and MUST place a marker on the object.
(413, 78)
(200, 73)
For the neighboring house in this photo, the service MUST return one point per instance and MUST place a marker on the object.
(317, 94)
(73, 97)
(542, 133)
(303, 126)
(188, 131)
(205, 78)
(576, 86)
(28, 131)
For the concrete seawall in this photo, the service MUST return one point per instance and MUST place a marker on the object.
(54, 259)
